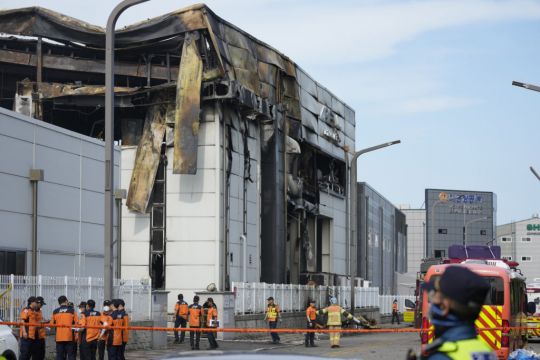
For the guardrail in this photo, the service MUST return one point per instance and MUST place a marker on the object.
(15, 290)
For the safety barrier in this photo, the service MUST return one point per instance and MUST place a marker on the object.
(250, 298)
(15, 290)
(255, 330)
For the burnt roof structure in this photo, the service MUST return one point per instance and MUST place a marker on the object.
(54, 64)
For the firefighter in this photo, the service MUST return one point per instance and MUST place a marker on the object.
(42, 334)
(106, 320)
(395, 313)
(456, 300)
(311, 316)
(272, 315)
(80, 333)
(334, 313)
(28, 334)
(181, 314)
(194, 318)
(211, 322)
(117, 338)
(66, 317)
(125, 332)
(91, 318)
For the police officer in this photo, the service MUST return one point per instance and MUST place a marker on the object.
(272, 315)
(181, 314)
(335, 312)
(456, 300)
(311, 316)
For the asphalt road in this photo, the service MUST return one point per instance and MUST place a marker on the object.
(366, 347)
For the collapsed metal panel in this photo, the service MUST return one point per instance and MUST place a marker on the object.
(188, 106)
(148, 154)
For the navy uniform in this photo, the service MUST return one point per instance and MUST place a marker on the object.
(456, 301)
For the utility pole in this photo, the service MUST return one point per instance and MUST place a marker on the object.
(109, 144)
(352, 214)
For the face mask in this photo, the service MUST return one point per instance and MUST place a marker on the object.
(106, 308)
(440, 321)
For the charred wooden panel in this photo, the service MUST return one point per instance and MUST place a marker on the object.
(148, 155)
(188, 106)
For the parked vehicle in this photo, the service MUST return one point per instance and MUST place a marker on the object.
(502, 321)
(533, 318)
(9, 347)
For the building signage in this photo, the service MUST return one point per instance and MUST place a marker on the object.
(465, 199)
(533, 229)
(467, 209)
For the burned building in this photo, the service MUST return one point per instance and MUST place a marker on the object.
(234, 158)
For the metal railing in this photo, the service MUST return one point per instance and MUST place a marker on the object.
(250, 298)
(385, 303)
(15, 290)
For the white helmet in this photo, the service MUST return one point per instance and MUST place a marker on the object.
(333, 300)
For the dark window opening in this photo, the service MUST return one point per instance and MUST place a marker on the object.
(443, 231)
(440, 253)
(157, 210)
(12, 262)
(483, 232)
(330, 174)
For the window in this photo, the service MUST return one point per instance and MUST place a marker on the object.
(525, 239)
(483, 232)
(506, 239)
(507, 258)
(443, 231)
(526, 258)
(440, 253)
(495, 295)
(12, 262)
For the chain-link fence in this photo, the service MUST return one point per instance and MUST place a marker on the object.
(15, 290)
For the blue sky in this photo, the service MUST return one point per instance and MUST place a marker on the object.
(435, 74)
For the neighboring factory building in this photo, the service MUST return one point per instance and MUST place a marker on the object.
(457, 216)
(520, 241)
(235, 160)
(382, 240)
(416, 248)
(51, 199)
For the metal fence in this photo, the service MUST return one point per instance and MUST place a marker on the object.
(385, 303)
(250, 298)
(15, 290)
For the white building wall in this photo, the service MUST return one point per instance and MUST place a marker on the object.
(70, 199)
(416, 238)
(524, 246)
(333, 206)
(236, 212)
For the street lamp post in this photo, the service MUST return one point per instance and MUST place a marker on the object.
(109, 146)
(467, 224)
(526, 86)
(352, 214)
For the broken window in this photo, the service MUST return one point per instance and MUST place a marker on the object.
(330, 174)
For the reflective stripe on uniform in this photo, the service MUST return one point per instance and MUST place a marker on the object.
(468, 349)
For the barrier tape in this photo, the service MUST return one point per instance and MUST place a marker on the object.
(244, 330)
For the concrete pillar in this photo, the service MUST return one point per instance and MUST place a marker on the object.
(159, 316)
(225, 306)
